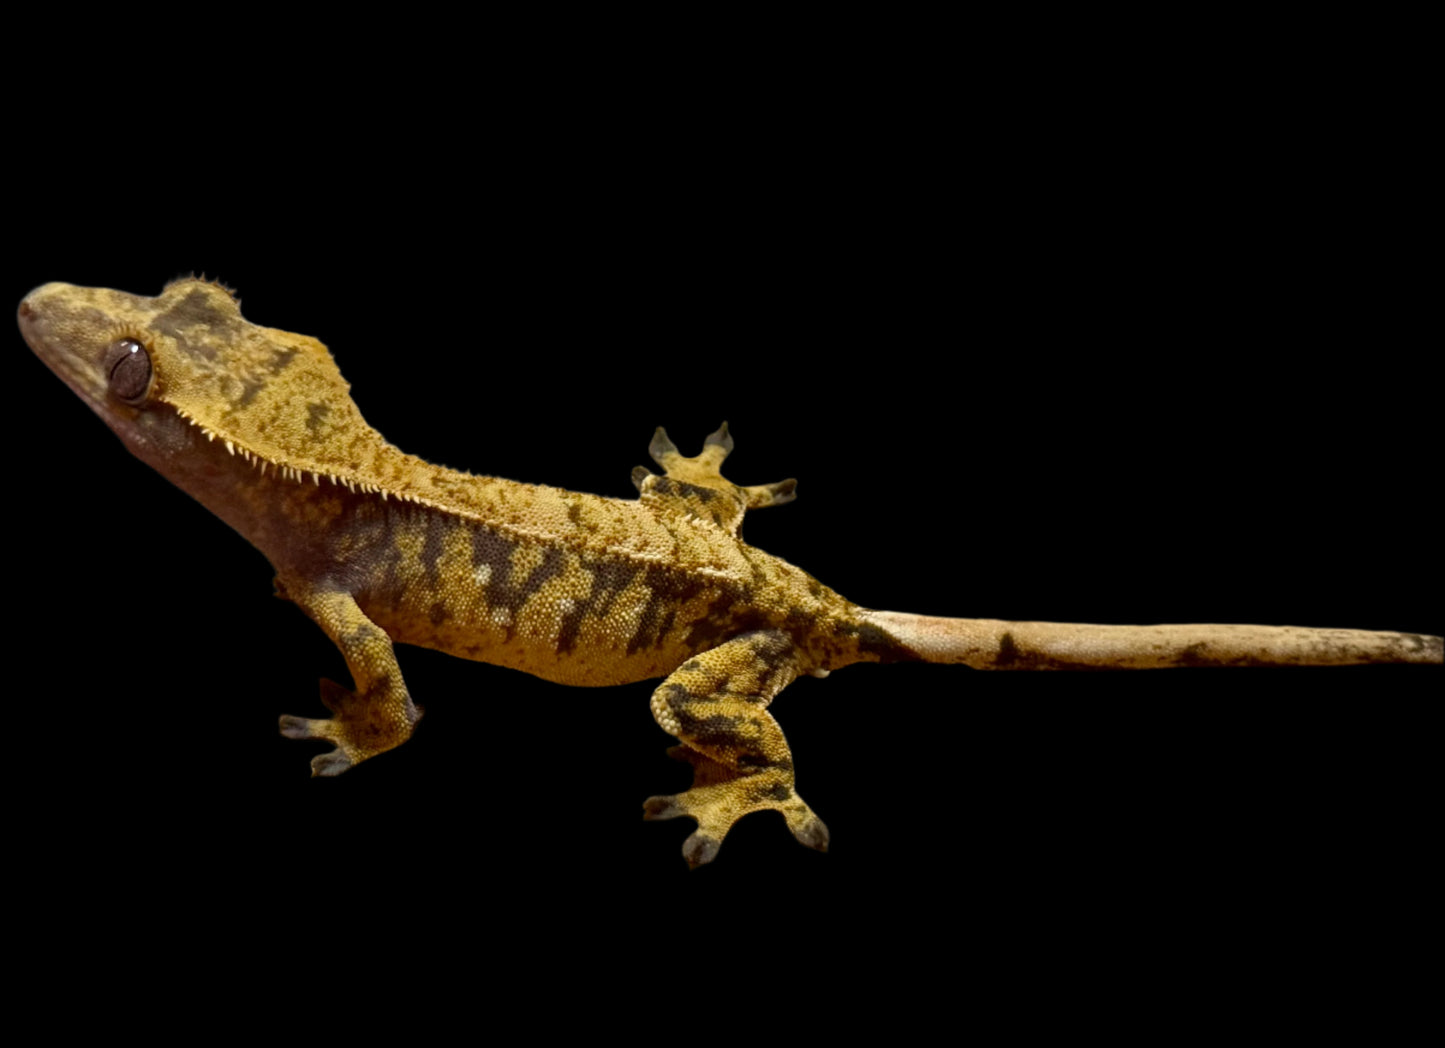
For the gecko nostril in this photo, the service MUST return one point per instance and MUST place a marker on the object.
(25, 309)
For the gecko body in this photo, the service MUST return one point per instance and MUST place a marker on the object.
(380, 547)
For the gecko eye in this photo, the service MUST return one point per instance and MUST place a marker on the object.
(129, 367)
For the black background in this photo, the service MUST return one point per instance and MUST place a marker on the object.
(1093, 373)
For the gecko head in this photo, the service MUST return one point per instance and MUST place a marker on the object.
(187, 354)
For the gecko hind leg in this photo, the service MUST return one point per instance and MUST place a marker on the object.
(715, 703)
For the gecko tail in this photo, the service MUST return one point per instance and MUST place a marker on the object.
(993, 644)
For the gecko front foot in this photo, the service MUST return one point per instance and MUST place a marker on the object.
(721, 795)
(328, 764)
(363, 726)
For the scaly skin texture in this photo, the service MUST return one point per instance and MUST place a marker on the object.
(379, 547)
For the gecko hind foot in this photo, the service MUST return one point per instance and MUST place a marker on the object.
(705, 470)
(721, 795)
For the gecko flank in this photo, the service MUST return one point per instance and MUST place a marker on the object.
(379, 547)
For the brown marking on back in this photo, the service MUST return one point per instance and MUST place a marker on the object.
(503, 590)
(280, 360)
(553, 562)
(718, 620)
(315, 414)
(199, 309)
(668, 590)
(610, 577)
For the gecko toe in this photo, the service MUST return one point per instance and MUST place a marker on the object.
(700, 849)
(811, 832)
(722, 438)
(330, 764)
(661, 447)
(295, 727)
(661, 808)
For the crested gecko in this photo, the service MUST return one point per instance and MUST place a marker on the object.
(379, 547)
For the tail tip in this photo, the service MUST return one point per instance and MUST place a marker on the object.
(1425, 648)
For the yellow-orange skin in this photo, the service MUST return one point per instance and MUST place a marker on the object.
(379, 547)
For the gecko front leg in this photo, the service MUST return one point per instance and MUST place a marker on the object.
(716, 704)
(379, 715)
